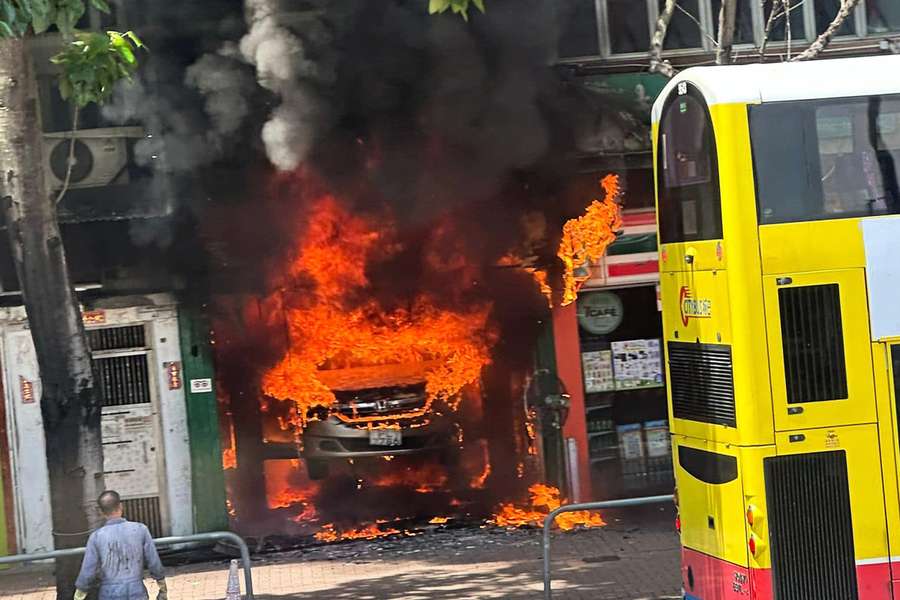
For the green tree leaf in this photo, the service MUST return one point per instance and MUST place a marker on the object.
(40, 15)
(92, 63)
(101, 5)
(438, 6)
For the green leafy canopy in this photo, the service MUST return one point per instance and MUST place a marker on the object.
(459, 7)
(90, 62)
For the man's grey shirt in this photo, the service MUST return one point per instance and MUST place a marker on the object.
(116, 556)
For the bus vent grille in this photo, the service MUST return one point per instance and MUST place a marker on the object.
(701, 381)
(813, 342)
(146, 511)
(810, 531)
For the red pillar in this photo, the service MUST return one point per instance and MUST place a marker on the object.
(568, 367)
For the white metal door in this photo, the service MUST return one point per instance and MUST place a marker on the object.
(132, 446)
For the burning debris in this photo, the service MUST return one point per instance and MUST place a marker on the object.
(373, 531)
(544, 500)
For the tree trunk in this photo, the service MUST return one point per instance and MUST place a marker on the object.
(70, 405)
(657, 64)
(824, 39)
(727, 17)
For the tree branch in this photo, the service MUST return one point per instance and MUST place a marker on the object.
(657, 64)
(727, 18)
(787, 26)
(770, 22)
(70, 161)
(824, 39)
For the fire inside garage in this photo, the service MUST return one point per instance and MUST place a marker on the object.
(386, 373)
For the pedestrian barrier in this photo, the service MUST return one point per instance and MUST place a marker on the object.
(165, 541)
(549, 520)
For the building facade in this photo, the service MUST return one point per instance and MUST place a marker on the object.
(151, 350)
(608, 351)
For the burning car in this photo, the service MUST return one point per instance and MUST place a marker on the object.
(380, 411)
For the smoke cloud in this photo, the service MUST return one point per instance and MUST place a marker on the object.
(284, 68)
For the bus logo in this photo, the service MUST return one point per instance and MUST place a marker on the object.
(693, 308)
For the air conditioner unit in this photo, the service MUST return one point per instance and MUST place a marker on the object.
(100, 157)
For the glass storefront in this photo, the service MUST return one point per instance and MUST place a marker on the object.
(620, 333)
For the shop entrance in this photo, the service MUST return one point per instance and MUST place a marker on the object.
(625, 396)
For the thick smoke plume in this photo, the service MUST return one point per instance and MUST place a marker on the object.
(283, 67)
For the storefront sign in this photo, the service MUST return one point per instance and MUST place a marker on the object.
(27, 390)
(173, 374)
(94, 317)
(637, 364)
(598, 371)
(693, 308)
(600, 312)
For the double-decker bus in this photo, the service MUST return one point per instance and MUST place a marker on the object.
(777, 205)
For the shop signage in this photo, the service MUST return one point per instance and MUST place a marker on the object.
(27, 390)
(693, 308)
(600, 312)
(93, 317)
(657, 435)
(631, 443)
(598, 371)
(173, 374)
(637, 364)
(201, 386)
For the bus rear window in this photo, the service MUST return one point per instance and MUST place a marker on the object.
(688, 184)
(826, 159)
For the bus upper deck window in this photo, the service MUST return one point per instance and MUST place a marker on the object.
(689, 205)
(826, 159)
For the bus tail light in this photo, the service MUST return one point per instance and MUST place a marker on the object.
(754, 544)
(753, 516)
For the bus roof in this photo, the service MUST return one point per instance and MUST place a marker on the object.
(805, 80)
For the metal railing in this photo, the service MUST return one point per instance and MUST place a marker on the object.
(165, 541)
(548, 524)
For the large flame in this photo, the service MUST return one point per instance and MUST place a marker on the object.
(544, 500)
(586, 238)
(328, 327)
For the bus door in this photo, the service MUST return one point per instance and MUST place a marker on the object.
(819, 348)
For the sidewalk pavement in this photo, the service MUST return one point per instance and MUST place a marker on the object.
(619, 562)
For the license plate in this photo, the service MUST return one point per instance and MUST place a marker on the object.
(385, 437)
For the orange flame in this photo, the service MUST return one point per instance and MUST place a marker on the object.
(229, 459)
(287, 486)
(424, 479)
(329, 533)
(586, 238)
(327, 332)
(544, 500)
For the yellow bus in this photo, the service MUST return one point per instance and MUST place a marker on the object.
(777, 203)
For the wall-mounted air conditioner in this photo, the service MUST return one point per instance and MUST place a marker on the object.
(100, 157)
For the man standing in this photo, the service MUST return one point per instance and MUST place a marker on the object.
(116, 556)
